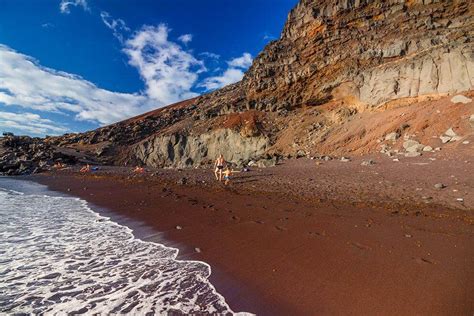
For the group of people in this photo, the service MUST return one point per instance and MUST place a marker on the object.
(222, 171)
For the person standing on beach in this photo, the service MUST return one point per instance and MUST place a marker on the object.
(219, 167)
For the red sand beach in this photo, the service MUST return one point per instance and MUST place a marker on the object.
(311, 239)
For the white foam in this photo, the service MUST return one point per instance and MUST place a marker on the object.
(57, 256)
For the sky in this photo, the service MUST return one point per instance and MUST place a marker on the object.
(75, 65)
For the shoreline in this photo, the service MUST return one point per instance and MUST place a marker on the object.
(294, 251)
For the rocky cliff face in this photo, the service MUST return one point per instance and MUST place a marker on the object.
(336, 63)
(374, 51)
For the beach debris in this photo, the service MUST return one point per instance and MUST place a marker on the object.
(460, 99)
(182, 181)
(439, 186)
(369, 162)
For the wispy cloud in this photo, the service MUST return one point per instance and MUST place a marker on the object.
(65, 5)
(232, 74)
(185, 38)
(118, 26)
(210, 55)
(168, 71)
(25, 83)
(30, 123)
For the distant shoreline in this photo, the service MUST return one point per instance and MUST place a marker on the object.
(279, 241)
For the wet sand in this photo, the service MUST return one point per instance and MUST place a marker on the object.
(308, 239)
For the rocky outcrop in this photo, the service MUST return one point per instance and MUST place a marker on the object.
(178, 150)
(378, 50)
(21, 155)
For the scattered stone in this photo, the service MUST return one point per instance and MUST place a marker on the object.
(439, 186)
(412, 154)
(438, 149)
(471, 120)
(392, 136)
(427, 148)
(466, 142)
(179, 227)
(369, 162)
(198, 250)
(460, 199)
(396, 160)
(408, 236)
(345, 159)
(460, 99)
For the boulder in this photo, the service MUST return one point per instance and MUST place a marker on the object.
(460, 99)
(450, 132)
(445, 139)
(410, 143)
(427, 148)
(415, 148)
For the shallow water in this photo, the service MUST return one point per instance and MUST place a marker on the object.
(58, 256)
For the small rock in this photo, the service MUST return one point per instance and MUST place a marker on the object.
(438, 149)
(345, 159)
(198, 250)
(427, 148)
(455, 138)
(445, 139)
(460, 99)
(179, 227)
(392, 136)
(460, 199)
(408, 236)
(450, 132)
(415, 148)
(439, 186)
(182, 181)
(466, 142)
(396, 160)
(367, 162)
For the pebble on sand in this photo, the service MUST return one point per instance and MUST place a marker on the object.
(439, 186)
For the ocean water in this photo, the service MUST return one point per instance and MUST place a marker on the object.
(57, 257)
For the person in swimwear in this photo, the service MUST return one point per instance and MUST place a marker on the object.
(227, 174)
(86, 168)
(219, 167)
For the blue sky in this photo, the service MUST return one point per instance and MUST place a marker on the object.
(74, 65)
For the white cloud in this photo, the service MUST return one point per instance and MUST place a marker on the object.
(28, 123)
(185, 38)
(232, 74)
(245, 61)
(118, 26)
(168, 71)
(65, 5)
(210, 55)
(25, 83)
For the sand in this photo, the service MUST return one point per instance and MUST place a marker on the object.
(308, 239)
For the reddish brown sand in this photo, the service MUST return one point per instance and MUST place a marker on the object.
(308, 239)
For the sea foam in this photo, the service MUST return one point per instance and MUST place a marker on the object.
(57, 256)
